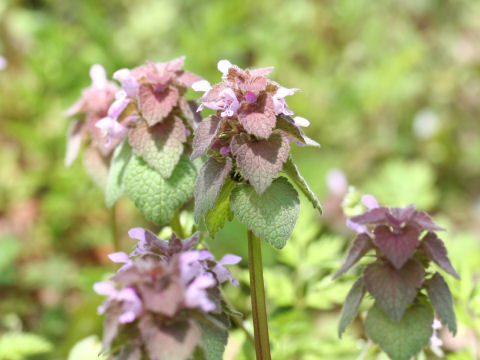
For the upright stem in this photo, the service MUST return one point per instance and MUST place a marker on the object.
(259, 309)
(113, 228)
(176, 225)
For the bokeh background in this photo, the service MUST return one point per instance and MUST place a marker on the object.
(392, 90)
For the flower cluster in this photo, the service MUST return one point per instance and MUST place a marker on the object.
(405, 243)
(162, 297)
(252, 128)
(93, 105)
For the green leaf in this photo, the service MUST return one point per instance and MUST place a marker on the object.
(209, 183)
(217, 217)
(17, 346)
(400, 340)
(350, 307)
(114, 189)
(160, 145)
(271, 215)
(291, 170)
(156, 197)
(393, 289)
(442, 301)
(214, 338)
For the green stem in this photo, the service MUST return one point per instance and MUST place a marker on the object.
(259, 309)
(176, 225)
(113, 228)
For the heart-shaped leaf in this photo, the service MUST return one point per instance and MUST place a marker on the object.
(393, 289)
(155, 196)
(271, 215)
(160, 145)
(260, 161)
(403, 339)
(399, 246)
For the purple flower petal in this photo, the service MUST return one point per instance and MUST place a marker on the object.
(111, 129)
(250, 97)
(337, 182)
(128, 81)
(3, 63)
(358, 228)
(98, 76)
(300, 121)
(104, 288)
(223, 66)
(230, 259)
(370, 201)
(231, 103)
(119, 257)
(196, 295)
(202, 85)
(118, 105)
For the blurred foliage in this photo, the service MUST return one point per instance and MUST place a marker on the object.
(392, 90)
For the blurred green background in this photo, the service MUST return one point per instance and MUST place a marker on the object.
(392, 90)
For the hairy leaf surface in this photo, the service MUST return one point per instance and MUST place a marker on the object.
(434, 248)
(271, 215)
(155, 196)
(209, 182)
(393, 289)
(397, 247)
(204, 135)
(160, 145)
(260, 161)
(403, 339)
(217, 217)
(156, 105)
(361, 245)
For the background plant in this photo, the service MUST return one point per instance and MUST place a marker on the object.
(383, 103)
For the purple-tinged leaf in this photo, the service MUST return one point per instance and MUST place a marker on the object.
(176, 341)
(205, 134)
(186, 78)
(189, 112)
(361, 245)
(393, 289)
(164, 301)
(403, 339)
(160, 145)
(287, 125)
(374, 216)
(442, 301)
(213, 94)
(96, 166)
(434, 248)
(398, 216)
(209, 183)
(74, 141)
(350, 307)
(424, 221)
(397, 246)
(260, 161)
(156, 105)
(259, 118)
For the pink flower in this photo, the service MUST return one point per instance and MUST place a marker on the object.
(111, 129)
(128, 81)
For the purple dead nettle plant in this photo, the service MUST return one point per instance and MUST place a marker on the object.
(247, 142)
(149, 125)
(93, 105)
(164, 302)
(399, 279)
